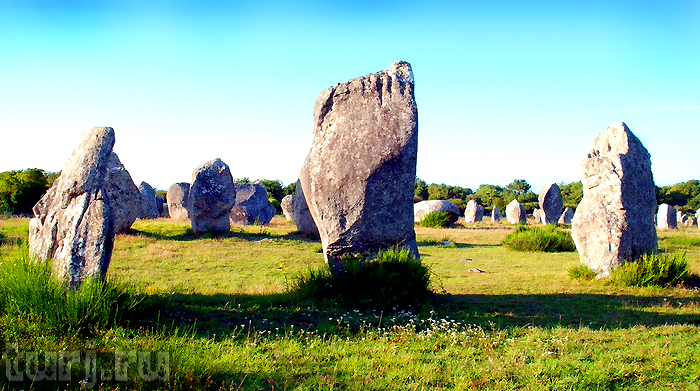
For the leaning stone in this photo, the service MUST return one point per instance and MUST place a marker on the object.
(496, 213)
(149, 203)
(302, 215)
(666, 218)
(359, 176)
(566, 216)
(73, 222)
(551, 203)
(124, 196)
(211, 197)
(515, 213)
(177, 200)
(614, 222)
(473, 212)
(252, 205)
(287, 205)
(421, 209)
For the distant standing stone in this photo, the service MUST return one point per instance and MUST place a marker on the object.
(614, 221)
(681, 217)
(666, 218)
(566, 216)
(124, 196)
(537, 215)
(551, 203)
(149, 202)
(359, 176)
(496, 213)
(177, 200)
(302, 215)
(421, 209)
(691, 221)
(211, 197)
(473, 212)
(515, 213)
(252, 205)
(73, 222)
(287, 205)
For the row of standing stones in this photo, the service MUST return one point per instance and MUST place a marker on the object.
(355, 188)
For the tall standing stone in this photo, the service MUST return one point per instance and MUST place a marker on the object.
(666, 218)
(551, 203)
(287, 205)
(149, 202)
(124, 196)
(496, 213)
(211, 197)
(302, 215)
(177, 200)
(566, 216)
(515, 213)
(252, 204)
(615, 220)
(473, 212)
(73, 222)
(359, 176)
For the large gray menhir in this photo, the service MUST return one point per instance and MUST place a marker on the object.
(211, 197)
(359, 176)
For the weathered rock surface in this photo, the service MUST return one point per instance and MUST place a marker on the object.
(421, 209)
(177, 200)
(302, 215)
(149, 203)
(666, 218)
(73, 222)
(515, 213)
(287, 205)
(211, 197)
(615, 220)
(496, 214)
(537, 215)
(359, 176)
(551, 203)
(691, 221)
(124, 196)
(681, 217)
(473, 212)
(252, 204)
(566, 216)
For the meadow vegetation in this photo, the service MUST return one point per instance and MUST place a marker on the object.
(227, 312)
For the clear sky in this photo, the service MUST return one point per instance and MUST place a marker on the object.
(505, 89)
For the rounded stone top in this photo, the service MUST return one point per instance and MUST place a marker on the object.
(401, 70)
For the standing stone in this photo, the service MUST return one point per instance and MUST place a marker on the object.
(473, 212)
(177, 200)
(252, 205)
(149, 203)
(211, 197)
(124, 196)
(287, 205)
(302, 215)
(537, 215)
(515, 213)
(359, 176)
(691, 221)
(566, 216)
(666, 218)
(551, 203)
(421, 209)
(614, 222)
(681, 217)
(160, 202)
(496, 213)
(73, 222)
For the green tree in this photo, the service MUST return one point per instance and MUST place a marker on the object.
(274, 188)
(518, 186)
(421, 189)
(20, 190)
(571, 193)
(489, 195)
(438, 191)
(290, 189)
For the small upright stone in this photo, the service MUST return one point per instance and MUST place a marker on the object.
(177, 200)
(302, 215)
(73, 222)
(515, 213)
(149, 203)
(473, 212)
(496, 214)
(124, 196)
(287, 205)
(566, 216)
(551, 203)
(537, 215)
(211, 197)
(614, 222)
(252, 205)
(681, 217)
(421, 209)
(691, 221)
(666, 218)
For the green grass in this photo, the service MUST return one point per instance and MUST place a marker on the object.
(220, 308)
(653, 269)
(548, 238)
(436, 219)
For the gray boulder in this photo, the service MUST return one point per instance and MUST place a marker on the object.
(551, 203)
(666, 218)
(177, 200)
(359, 176)
(211, 197)
(421, 209)
(515, 213)
(566, 216)
(302, 215)
(149, 202)
(287, 205)
(252, 204)
(73, 222)
(496, 214)
(473, 212)
(691, 221)
(614, 222)
(124, 196)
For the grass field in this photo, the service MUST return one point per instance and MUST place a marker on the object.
(220, 310)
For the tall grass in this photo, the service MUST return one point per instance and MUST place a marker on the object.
(546, 239)
(653, 269)
(436, 219)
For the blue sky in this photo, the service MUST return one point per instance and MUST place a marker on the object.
(505, 89)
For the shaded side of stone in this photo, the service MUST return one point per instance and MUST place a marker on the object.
(177, 196)
(211, 197)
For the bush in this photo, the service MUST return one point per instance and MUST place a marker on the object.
(581, 272)
(662, 270)
(395, 279)
(546, 239)
(437, 219)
